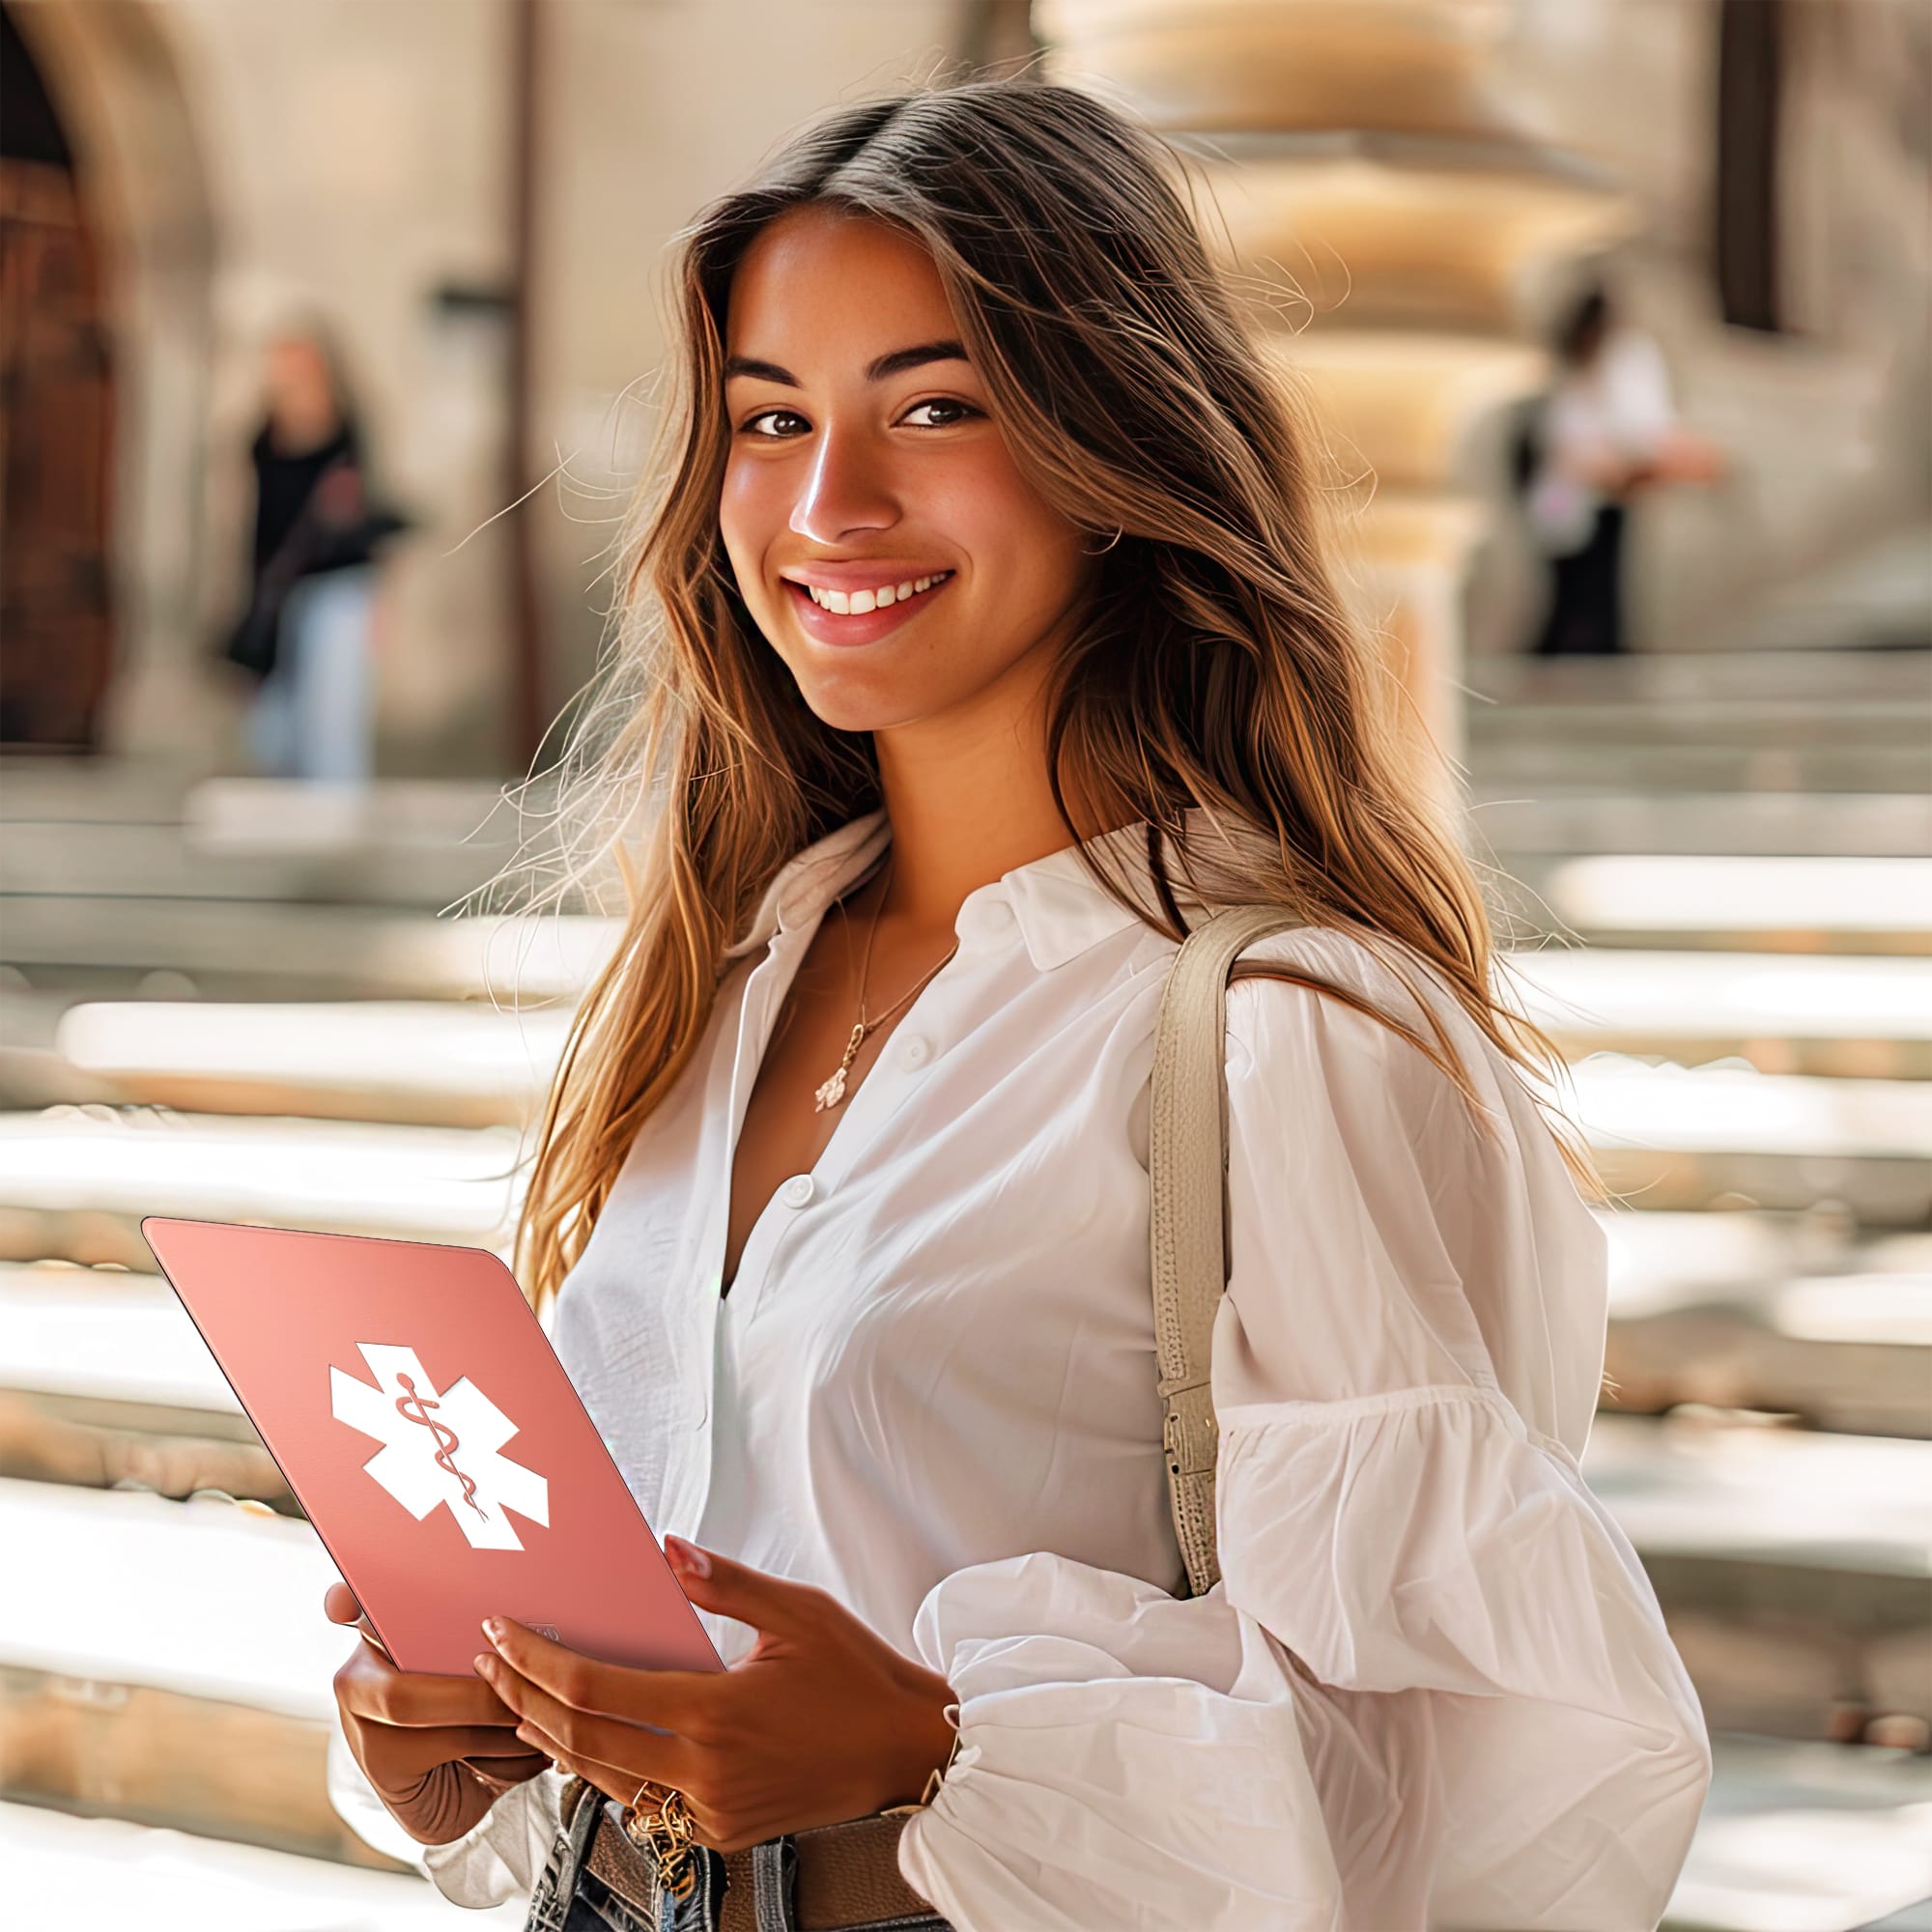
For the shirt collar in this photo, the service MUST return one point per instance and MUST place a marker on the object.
(1060, 911)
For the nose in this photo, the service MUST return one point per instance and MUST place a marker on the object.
(845, 489)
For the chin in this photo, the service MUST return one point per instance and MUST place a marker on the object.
(849, 711)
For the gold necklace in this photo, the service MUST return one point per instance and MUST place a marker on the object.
(830, 1092)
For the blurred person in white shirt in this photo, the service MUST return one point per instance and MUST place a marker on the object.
(1606, 433)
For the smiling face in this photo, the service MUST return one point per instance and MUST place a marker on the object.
(865, 461)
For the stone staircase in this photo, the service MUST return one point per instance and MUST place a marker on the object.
(225, 1003)
(1721, 894)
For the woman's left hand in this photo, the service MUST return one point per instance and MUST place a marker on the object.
(821, 1720)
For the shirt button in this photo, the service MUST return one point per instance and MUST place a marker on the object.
(915, 1050)
(797, 1191)
(983, 917)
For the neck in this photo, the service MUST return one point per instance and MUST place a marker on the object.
(968, 798)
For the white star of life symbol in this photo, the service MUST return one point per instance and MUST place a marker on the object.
(433, 1442)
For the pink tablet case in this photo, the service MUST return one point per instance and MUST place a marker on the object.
(410, 1397)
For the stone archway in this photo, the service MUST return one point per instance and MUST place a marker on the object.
(111, 73)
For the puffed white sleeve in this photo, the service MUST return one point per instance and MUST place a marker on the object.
(501, 1856)
(1434, 1687)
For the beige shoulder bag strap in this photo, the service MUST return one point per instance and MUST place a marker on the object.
(1187, 1164)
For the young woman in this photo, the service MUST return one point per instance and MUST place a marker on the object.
(982, 640)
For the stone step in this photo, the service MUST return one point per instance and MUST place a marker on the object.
(1808, 1837)
(119, 832)
(104, 1379)
(1658, 1259)
(209, 1711)
(1847, 1352)
(75, 1182)
(1795, 1569)
(1669, 678)
(1840, 1017)
(235, 949)
(1702, 723)
(449, 1064)
(1673, 1137)
(1730, 1109)
(1529, 764)
(1786, 1313)
(1561, 820)
(78, 1558)
(247, 812)
(89, 1873)
(43, 859)
(1740, 903)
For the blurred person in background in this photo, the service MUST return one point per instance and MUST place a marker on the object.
(307, 632)
(1607, 432)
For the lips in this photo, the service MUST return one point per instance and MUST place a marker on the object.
(829, 627)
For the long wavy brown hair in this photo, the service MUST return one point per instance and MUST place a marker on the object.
(1214, 666)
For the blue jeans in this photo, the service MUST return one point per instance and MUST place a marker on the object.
(313, 714)
(569, 1898)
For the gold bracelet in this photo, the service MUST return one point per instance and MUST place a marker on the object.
(666, 1834)
(935, 1778)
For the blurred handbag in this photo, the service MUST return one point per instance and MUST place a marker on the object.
(312, 541)
(255, 641)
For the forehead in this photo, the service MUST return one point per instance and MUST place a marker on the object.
(822, 280)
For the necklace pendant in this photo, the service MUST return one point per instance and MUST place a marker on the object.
(833, 1091)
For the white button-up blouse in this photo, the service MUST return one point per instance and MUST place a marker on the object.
(1434, 1686)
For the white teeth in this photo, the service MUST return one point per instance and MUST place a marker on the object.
(855, 603)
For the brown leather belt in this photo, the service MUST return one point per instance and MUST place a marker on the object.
(842, 1877)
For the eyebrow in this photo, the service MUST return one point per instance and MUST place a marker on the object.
(895, 365)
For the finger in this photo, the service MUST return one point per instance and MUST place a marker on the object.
(407, 1753)
(754, 1597)
(668, 1700)
(339, 1604)
(501, 1773)
(619, 1781)
(635, 1748)
(369, 1686)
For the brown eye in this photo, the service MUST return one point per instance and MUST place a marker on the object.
(746, 430)
(945, 403)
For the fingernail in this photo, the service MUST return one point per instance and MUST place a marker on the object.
(493, 1629)
(481, 1662)
(688, 1556)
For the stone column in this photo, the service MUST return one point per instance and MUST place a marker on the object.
(1390, 219)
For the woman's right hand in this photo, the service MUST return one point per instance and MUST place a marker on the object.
(437, 1750)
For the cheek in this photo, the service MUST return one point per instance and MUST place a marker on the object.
(750, 517)
(1025, 556)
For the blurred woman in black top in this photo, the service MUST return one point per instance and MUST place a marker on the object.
(312, 580)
